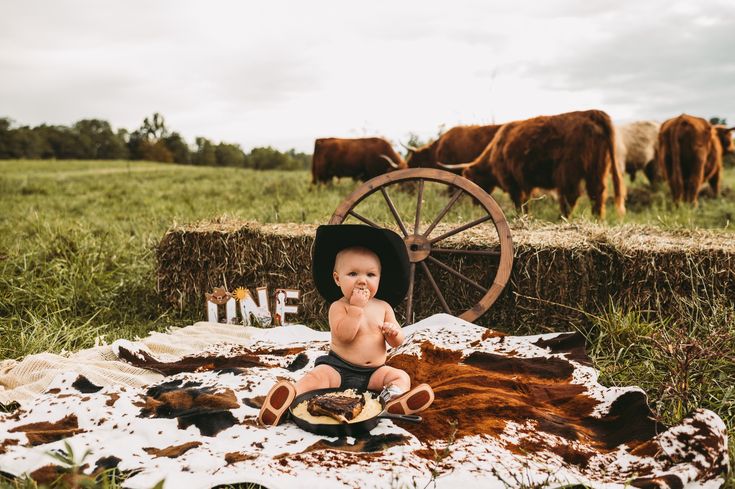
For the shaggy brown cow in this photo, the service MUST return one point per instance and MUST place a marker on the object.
(457, 145)
(690, 152)
(552, 152)
(361, 159)
(635, 149)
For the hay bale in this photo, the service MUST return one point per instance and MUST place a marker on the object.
(560, 274)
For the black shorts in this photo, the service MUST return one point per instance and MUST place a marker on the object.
(353, 376)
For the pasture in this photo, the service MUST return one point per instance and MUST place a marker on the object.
(77, 260)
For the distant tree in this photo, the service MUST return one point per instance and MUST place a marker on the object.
(61, 142)
(136, 139)
(123, 135)
(23, 142)
(5, 126)
(266, 159)
(299, 161)
(718, 120)
(154, 128)
(155, 151)
(89, 133)
(178, 148)
(204, 154)
(115, 148)
(95, 139)
(99, 141)
(147, 142)
(229, 155)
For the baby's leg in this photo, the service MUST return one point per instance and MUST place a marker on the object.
(322, 377)
(386, 376)
(281, 395)
(404, 400)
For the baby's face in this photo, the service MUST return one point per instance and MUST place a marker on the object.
(357, 268)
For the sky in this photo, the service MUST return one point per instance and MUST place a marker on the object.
(283, 73)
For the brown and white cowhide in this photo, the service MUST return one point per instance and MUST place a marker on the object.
(509, 411)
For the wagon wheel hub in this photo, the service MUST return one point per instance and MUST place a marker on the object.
(418, 247)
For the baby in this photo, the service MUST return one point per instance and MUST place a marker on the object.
(363, 271)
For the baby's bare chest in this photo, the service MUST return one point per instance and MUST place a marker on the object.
(372, 318)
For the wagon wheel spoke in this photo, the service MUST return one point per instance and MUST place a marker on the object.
(444, 211)
(454, 231)
(465, 252)
(435, 287)
(363, 219)
(419, 202)
(409, 297)
(394, 211)
(457, 274)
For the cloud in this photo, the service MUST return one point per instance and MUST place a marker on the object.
(658, 66)
(266, 79)
(269, 73)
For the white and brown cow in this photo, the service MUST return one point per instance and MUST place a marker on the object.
(635, 149)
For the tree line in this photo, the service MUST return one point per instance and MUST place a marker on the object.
(94, 139)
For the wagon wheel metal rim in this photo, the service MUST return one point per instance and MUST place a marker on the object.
(421, 246)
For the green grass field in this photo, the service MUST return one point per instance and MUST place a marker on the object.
(77, 245)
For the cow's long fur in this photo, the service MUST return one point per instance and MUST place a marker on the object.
(457, 145)
(690, 152)
(553, 152)
(360, 158)
(635, 148)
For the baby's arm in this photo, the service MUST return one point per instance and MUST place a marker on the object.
(391, 330)
(344, 321)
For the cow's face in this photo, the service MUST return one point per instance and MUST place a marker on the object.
(482, 176)
(724, 134)
(420, 158)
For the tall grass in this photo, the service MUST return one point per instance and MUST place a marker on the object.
(683, 362)
(77, 237)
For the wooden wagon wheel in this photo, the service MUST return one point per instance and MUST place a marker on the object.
(422, 246)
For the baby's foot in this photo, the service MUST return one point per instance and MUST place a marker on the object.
(276, 403)
(413, 401)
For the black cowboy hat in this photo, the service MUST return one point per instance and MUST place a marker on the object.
(333, 238)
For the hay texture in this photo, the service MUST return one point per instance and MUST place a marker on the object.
(561, 273)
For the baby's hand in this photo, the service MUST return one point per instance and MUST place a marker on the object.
(390, 329)
(359, 297)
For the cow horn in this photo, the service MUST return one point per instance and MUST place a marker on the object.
(390, 162)
(458, 166)
(731, 128)
(410, 148)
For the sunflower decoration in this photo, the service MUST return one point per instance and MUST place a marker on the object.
(240, 293)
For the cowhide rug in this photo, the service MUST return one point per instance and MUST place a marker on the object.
(509, 411)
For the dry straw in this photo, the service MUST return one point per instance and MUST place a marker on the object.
(561, 273)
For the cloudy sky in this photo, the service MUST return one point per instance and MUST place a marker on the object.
(284, 73)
